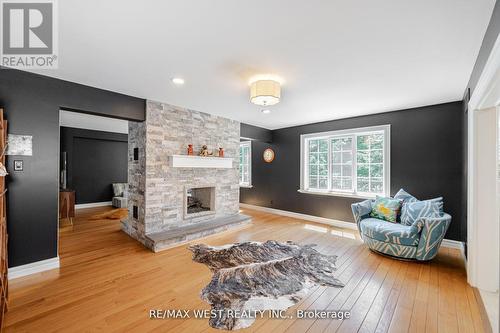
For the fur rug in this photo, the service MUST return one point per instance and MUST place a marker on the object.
(254, 276)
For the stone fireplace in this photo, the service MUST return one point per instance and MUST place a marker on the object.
(174, 198)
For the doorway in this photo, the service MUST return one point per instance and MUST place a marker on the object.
(93, 166)
(483, 199)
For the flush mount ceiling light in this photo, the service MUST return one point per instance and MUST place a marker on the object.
(265, 92)
(178, 81)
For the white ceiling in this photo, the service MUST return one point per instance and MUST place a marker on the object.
(338, 58)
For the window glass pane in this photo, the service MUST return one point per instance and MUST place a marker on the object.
(376, 186)
(313, 158)
(377, 141)
(363, 156)
(363, 142)
(336, 170)
(347, 157)
(336, 183)
(323, 145)
(347, 144)
(323, 183)
(363, 170)
(363, 185)
(346, 183)
(323, 158)
(347, 170)
(336, 144)
(313, 170)
(376, 170)
(376, 156)
(313, 182)
(245, 155)
(337, 157)
(323, 170)
(313, 145)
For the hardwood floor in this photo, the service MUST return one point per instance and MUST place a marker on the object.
(108, 283)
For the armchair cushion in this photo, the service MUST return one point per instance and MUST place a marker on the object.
(119, 189)
(414, 211)
(387, 232)
(404, 196)
(386, 209)
(406, 199)
(361, 210)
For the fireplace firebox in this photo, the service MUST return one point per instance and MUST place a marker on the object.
(199, 201)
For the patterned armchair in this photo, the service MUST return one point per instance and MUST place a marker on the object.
(119, 195)
(419, 241)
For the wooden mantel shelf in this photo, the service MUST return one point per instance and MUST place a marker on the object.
(189, 161)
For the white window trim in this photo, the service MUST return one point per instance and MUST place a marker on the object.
(386, 129)
(249, 145)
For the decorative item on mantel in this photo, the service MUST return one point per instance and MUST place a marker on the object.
(190, 150)
(204, 152)
(221, 152)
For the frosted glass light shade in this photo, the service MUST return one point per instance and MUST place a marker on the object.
(265, 92)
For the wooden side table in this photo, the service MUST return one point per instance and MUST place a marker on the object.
(67, 205)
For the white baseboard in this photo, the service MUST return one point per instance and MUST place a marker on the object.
(93, 204)
(337, 223)
(452, 244)
(312, 218)
(32, 268)
(490, 303)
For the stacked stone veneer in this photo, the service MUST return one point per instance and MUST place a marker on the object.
(156, 188)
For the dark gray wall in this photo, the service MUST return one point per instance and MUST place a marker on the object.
(426, 160)
(255, 133)
(96, 159)
(32, 104)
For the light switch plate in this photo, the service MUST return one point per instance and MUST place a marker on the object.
(18, 165)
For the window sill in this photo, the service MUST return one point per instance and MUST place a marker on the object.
(246, 186)
(337, 194)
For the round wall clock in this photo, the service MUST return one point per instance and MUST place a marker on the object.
(268, 155)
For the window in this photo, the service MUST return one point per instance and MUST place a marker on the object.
(246, 164)
(348, 162)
